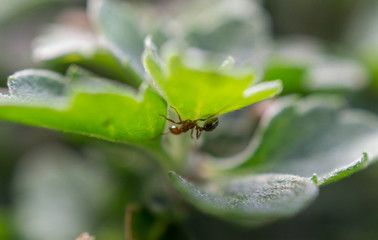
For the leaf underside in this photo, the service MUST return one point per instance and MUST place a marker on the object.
(249, 200)
(311, 136)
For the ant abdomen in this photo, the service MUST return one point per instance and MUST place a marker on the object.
(210, 124)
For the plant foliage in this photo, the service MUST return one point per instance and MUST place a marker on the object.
(119, 86)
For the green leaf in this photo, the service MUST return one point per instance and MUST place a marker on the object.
(119, 23)
(84, 105)
(200, 92)
(60, 46)
(342, 172)
(251, 200)
(311, 136)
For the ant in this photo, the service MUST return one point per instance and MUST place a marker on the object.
(183, 126)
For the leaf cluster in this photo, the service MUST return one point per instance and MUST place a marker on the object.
(117, 83)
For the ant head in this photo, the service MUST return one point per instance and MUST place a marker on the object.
(175, 130)
(210, 124)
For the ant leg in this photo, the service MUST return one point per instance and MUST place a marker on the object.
(213, 115)
(198, 133)
(178, 115)
(204, 119)
(191, 133)
(168, 119)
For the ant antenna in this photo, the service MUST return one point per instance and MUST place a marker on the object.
(168, 119)
(213, 115)
(178, 115)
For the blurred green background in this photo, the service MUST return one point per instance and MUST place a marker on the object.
(55, 185)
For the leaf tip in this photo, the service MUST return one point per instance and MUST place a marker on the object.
(362, 162)
(314, 178)
(365, 158)
(172, 174)
(277, 85)
(175, 178)
(272, 88)
(148, 43)
(228, 63)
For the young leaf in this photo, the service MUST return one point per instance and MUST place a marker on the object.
(84, 105)
(251, 200)
(201, 92)
(312, 136)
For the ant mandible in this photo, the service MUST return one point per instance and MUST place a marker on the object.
(183, 126)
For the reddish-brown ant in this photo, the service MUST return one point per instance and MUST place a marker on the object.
(183, 126)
